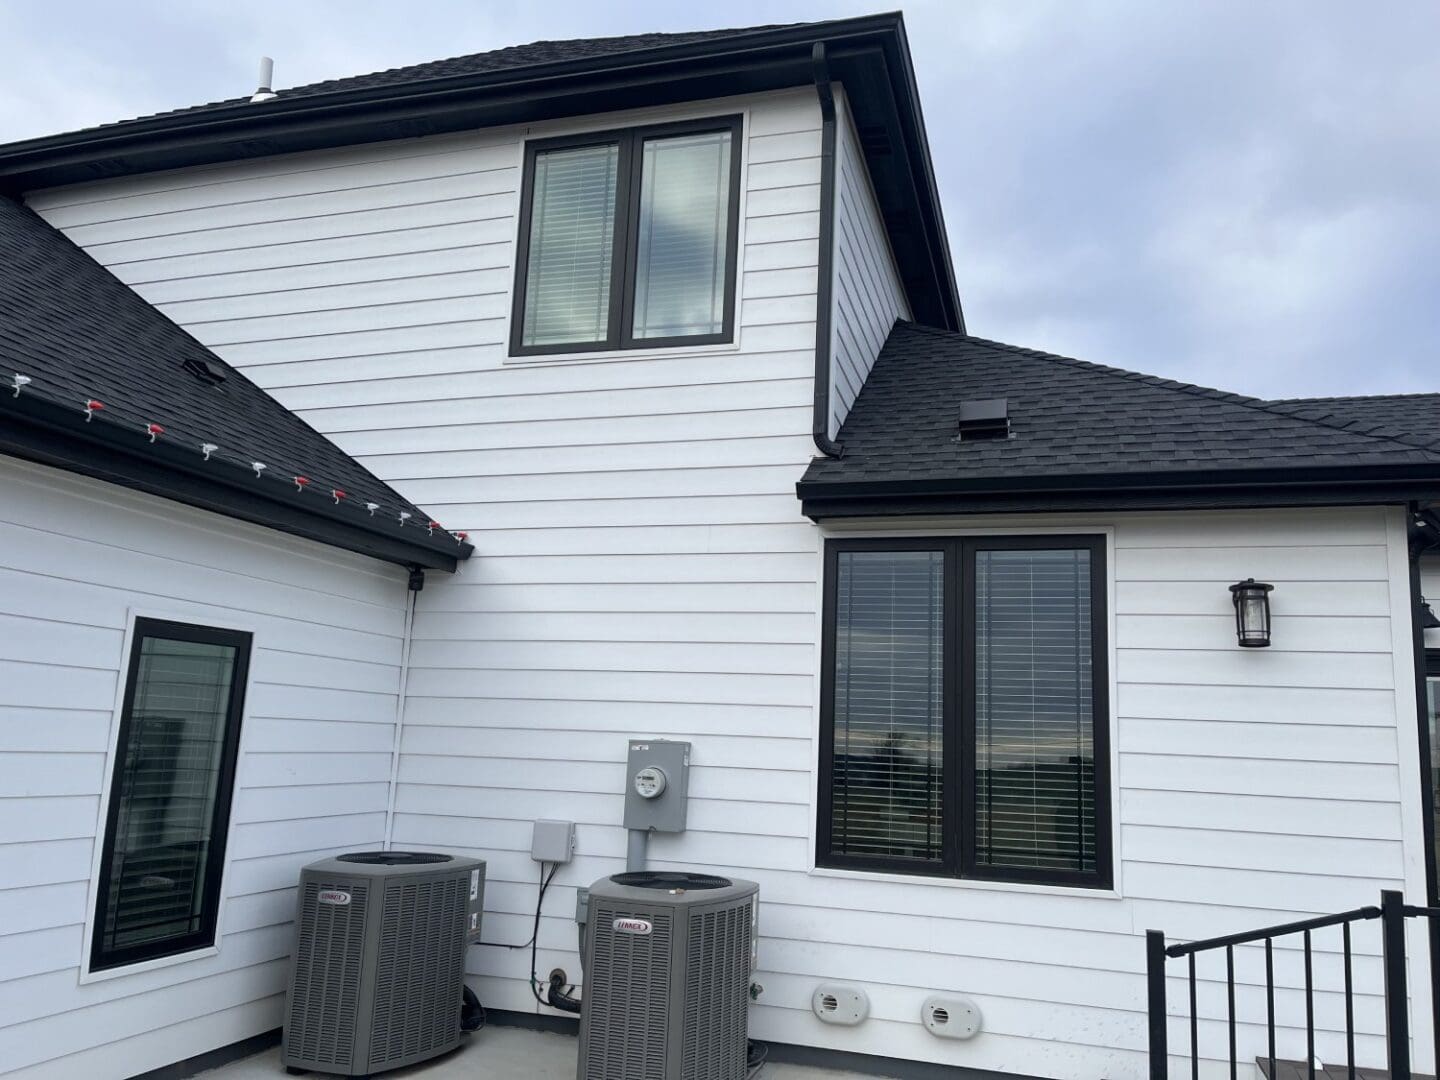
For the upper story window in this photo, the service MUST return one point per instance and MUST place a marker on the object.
(627, 239)
(164, 842)
(964, 717)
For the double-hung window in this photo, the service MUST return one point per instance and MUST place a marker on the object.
(627, 239)
(964, 727)
(164, 843)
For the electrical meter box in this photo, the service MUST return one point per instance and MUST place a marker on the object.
(657, 782)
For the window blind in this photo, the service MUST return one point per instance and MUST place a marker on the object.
(888, 705)
(572, 243)
(1034, 722)
(683, 230)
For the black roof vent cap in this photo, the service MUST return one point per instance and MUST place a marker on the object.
(205, 370)
(987, 419)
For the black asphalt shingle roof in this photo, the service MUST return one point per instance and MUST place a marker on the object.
(1072, 418)
(76, 332)
(1411, 418)
(533, 54)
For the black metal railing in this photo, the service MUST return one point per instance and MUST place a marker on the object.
(1392, 913)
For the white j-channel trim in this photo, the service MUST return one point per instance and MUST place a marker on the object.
(888, 530)
(172, 611)
(621, 121)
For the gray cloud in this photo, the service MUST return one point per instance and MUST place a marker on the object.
(1235, 194)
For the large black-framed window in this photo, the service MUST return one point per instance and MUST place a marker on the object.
(628, 239)
(169, 810)
(965, 709)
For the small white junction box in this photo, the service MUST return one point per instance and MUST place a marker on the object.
(552, 841)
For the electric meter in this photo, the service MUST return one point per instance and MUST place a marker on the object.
(650, 782)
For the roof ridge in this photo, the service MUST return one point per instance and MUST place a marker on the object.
(647, 36)
(1352, 397)
(1399, 439)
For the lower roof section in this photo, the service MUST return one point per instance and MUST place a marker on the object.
(1077, 436)
(39, 431)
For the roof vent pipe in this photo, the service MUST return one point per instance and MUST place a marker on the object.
(267, 76)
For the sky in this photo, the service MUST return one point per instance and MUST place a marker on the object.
(1237, 194)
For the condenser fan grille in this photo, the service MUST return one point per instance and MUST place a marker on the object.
(660, 879)
(395, 858)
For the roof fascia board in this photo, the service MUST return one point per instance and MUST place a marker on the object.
(37, 435)
(242, 121)
(1190, 479)
(900, 113)
(870, 51)
(825, 501)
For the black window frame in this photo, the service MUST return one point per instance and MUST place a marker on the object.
(625, 248)
(958, 787)
(101, 958)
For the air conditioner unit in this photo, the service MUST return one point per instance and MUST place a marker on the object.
(378, 971)
(667, 977)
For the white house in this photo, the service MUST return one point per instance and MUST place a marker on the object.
(665, 328)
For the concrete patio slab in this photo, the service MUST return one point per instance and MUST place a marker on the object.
(497, 1053)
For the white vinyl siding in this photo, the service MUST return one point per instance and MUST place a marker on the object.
(642, 565)
(868, 296)
(78, 558)
(642, 568)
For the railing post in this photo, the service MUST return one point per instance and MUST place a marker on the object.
(1397, 994)
(1155, 974)
(1435, 986)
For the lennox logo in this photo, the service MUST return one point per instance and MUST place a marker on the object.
(333, 896)
(633, 926)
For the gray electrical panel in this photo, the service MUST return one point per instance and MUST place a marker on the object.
(657, 781)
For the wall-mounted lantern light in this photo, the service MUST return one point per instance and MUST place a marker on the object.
(1252, 612)
(1428, 621)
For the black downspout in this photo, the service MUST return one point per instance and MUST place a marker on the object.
(1420, 541)
(1423, 539)
(825, 269)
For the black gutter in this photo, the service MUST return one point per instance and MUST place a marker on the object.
(1190, 490)
(240, 117)
(825, 268)
(868, 54)
(45, 432)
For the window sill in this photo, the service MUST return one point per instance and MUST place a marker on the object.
(668, 352)
(966, 883)
(88, 976)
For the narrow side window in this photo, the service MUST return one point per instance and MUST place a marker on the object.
(169, 808)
